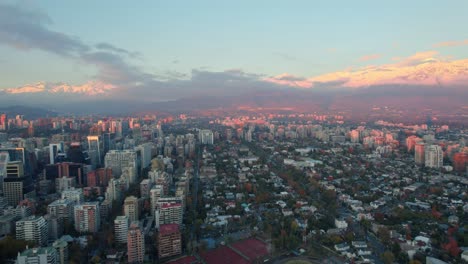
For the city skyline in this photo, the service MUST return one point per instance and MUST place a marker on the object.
(166, 51)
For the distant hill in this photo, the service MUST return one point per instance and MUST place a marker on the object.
(28, 112)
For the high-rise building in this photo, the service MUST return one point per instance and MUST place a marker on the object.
(411, 142)
(54, 151)
(17, 185)
(118, 159)
(169, 241)
(131, 208)
(4, 159)
(62, 251)
(135, 244)
(32, 228)
(145, 154)
(355, 136)
(121, 224)
(170, 213)
(64, 183)
(87, 217)
(3, 122)
(145, 187)
(62, 208)
(434, 156)
(41, 255)
(68, 169)
(75, 153)
(95, 150)
(108, 142)
(419, 153)
(74, 195)
(206, 137)
(55, 227)
(155, 193)
(99, 177)
(460, 162)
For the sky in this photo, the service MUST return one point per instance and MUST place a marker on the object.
(178, 48)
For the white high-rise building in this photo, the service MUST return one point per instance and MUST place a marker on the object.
(206, 137)
(33, 228)
(434, 156)
(155, 193)
(64, 183)
(131, 208)
(74, 195)
(42, 255)
(118, 159)
(121, 225)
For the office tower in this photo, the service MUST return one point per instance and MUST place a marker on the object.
(419, 153)
(155, 193)
(54, 151)
(95, 150)
(118, 159)
(62, 208)
(135, 244)
(68, 169)
(17, 185)
(99, 177)
(145, 152)
(206, 137)
(74, 195)
(433, 156)
(87, 217)
(32, 228)
(41, 255)
(75, 153)
(169, 241)
(62, 251)
(108, 140)
(19, 154)
(170, 213)
(116, 189)
(131, 208)
(121, 224)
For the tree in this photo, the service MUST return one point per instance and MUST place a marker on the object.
(9, 248)
(384, 235)
(388, 257)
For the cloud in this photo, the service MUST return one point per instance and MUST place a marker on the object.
(112, 48)
(451, 43)
(287, 79)
(370, 57)
(423, 68)
(25, 30)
